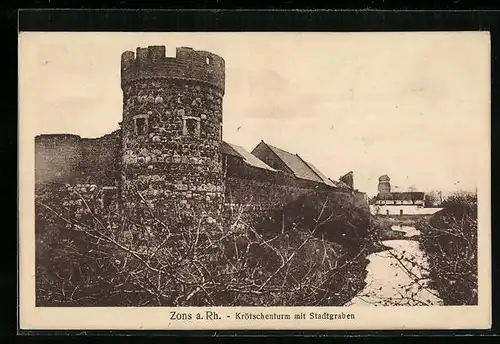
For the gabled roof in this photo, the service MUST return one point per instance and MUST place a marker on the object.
(339, 184)
(348, 179)
(334, 182)
(325, 179)
(298, 166)
(228, 150)
(248, 158)
(402, 196)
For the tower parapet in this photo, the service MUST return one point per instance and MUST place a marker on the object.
(188, 64)
(384, 184)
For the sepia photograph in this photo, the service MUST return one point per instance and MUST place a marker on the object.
(340, 173)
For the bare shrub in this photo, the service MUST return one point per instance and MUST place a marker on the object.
(450, 239)
(337, 219)
(108, 259)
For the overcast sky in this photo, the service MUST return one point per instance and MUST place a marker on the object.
(414, 106)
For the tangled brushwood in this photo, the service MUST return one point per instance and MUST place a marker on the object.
(450, 240)
(90, 260)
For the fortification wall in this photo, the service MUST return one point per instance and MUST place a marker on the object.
(75, 200)
(101, 160)
(69, 159)
(76, 177)
(57, 158)
(264, 195)
(259, 189)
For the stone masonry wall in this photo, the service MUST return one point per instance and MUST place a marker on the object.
(101, 158)
(74, 201)
(175, 158)
(65, 158)
(57, 158)
(78, 178)
(265, 195)
(258, 189)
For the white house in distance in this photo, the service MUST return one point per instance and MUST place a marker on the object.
(398, 203)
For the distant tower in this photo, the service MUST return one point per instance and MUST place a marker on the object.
(384, 184)
(172, 132)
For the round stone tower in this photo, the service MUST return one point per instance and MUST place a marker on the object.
(172, 133)
(384, 184)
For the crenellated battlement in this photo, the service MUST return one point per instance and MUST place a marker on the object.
(188, 64)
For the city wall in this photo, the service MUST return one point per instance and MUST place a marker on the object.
(91, 168)
(258, 189)
(66, 158)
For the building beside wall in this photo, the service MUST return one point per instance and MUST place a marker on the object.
(398, 203)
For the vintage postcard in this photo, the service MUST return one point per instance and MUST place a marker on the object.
(239, 181)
